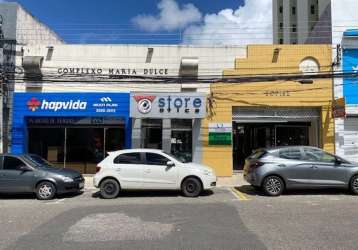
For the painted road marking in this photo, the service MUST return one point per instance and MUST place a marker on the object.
(241, 196)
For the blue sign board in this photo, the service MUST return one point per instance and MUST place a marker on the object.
(350, 84)
(67, 109)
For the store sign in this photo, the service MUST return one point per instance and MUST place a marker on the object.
(165, 105)
(339, 108)
(74, 103)
(220, 133)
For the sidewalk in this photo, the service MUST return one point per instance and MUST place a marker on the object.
(234, 181)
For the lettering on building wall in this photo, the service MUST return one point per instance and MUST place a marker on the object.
(113, 71)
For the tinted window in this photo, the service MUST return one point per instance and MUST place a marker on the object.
(290, 153)
(156, 159)
(129, 158)
(258, 154)
(312, 154)
(12, 163)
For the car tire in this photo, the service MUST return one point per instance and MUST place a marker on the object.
(45, 190)
(109, 189)
(353, 185)
(191, 187)
(273, 186)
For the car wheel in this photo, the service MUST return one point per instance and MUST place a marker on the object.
(191, 187)
(354, 184)
(45, 190)
(273, 185)
(109, 189)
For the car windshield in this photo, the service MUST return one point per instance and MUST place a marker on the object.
(38, 161)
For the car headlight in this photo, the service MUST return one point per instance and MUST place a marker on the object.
(208, 172)
(66, 179)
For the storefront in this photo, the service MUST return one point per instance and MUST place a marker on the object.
(168, 121)
(72, 130)
(249, 115)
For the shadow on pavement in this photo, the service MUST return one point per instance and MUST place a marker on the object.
(30, 196)
(250, 190)
(151, 193)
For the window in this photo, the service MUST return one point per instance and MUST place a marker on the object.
(293, 10)
(281, 41)
(12, 163)
(129, 158)
(281, 26)
(290, 153)
(294, 27)
(313, 10)
(281, 9)
(156, 159)
(312, 154)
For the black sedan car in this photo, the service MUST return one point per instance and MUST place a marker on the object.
(30, 173)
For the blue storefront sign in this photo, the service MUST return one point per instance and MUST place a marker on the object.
(350, 65)
(68, 109)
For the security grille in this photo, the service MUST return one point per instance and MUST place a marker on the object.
(269, 114)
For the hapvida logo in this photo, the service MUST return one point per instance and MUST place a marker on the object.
(33, 104)
(69, 105)
(106, 99)
(144, 103)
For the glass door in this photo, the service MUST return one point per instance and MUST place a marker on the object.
(182, 139)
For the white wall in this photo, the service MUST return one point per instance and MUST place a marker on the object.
(212, 61)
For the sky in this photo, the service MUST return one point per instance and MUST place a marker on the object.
(221, 22)
(154, 21)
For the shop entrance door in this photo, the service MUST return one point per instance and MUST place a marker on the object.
(80, 148)
(249, 137)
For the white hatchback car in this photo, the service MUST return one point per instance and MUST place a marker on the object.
(153, 170)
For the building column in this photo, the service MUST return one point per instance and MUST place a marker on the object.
(287, 25)
(136, 132)
(303, 25)
(196, 141)
(166, 135)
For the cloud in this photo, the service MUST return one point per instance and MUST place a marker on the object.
(249, 24)
(343, 17)
(171, 17)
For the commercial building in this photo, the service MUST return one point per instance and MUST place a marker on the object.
(74, 103)
(17, 26)
(244, 116)
(302, 22)
(346, 87)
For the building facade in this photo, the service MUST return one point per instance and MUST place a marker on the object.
(82, 101)
(265, 113)
(345, 87)
(17, 27)
(302, 22)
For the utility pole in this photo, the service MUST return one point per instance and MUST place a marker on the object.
(2, 71)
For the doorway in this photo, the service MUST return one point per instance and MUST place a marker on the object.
(249, 137)
(80, 148)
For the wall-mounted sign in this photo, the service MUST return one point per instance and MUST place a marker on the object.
(113, 71)
(339, 108)
(168, 105)
(220, 133)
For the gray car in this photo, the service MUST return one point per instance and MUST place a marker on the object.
(29, 173)
(274, 170)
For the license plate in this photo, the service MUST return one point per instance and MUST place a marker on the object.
(81, 185)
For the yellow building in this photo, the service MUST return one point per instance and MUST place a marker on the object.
(250, 114)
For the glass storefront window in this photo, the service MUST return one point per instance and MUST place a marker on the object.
(151, 131)
(182, 139)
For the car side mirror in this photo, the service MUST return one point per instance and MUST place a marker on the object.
(338, 161)
(170, 164)
(24, 168)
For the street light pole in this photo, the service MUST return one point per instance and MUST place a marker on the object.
(2, 71)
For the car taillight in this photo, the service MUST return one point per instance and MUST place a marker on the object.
(98, 168)
(256, 164)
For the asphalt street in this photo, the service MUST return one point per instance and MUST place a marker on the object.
(223, 219)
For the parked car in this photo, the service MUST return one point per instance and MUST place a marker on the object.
(153, 170)
(274, 170)
(30, 173)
